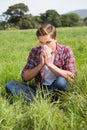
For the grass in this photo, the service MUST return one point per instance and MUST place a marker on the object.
(70, 110)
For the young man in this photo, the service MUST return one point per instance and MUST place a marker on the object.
(51, 64)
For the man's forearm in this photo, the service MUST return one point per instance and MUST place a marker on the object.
(59, 72)
(31, 73)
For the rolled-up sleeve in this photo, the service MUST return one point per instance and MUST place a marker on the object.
(70, 61)
(29, 64)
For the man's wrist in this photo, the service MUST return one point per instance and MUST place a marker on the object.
(49, 65)
(40, 65)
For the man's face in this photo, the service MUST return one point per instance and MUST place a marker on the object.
(48, 41)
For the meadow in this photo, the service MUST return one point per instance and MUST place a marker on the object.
(69, 112)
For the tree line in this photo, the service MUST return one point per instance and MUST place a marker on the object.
(17, 16)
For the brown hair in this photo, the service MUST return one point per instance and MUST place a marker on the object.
(46, 29)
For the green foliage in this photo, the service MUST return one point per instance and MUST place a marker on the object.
(15, 12)
(85, 21)
(28, 21)
(1, 26)
(17, 15)
(74, 19)
(65, 20)
(52, 17)
(69, 112)
(69, 20)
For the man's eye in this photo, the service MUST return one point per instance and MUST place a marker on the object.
(41, 43)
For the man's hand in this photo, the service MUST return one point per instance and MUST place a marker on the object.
(46, 52)
(70, 76)
(42, 59)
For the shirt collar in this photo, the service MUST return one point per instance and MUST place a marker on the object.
(58, 49)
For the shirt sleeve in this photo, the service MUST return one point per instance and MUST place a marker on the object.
(70, 60)
(29, 64)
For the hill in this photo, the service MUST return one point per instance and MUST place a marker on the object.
(82, 12)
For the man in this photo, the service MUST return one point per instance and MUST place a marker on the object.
(51, 64)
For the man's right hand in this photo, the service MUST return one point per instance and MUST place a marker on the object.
(42, 59)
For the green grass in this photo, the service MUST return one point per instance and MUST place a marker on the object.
(69, 112)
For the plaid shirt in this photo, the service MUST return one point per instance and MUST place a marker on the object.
(64, 59)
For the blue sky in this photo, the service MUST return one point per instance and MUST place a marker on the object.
(40, 6)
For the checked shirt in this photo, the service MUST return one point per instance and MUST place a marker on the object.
(64, 59)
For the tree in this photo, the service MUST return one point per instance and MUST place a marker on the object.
(38, 21)
(29, 21)
(85, 21)
(52, 17)
(16, 12)
(74, 19)
(3, 22)
(65, 20)
(26, 22)
(69, 20)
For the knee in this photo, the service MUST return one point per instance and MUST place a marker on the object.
(8, 86)
(62, 84)
(11, 87)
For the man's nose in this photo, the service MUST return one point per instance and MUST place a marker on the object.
(44, 44)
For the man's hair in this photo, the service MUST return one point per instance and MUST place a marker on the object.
(46, 29)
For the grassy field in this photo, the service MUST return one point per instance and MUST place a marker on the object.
(69, 112)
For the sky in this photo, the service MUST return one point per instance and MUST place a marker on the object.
(36, 7)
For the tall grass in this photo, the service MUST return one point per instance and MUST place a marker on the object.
(69, 112)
